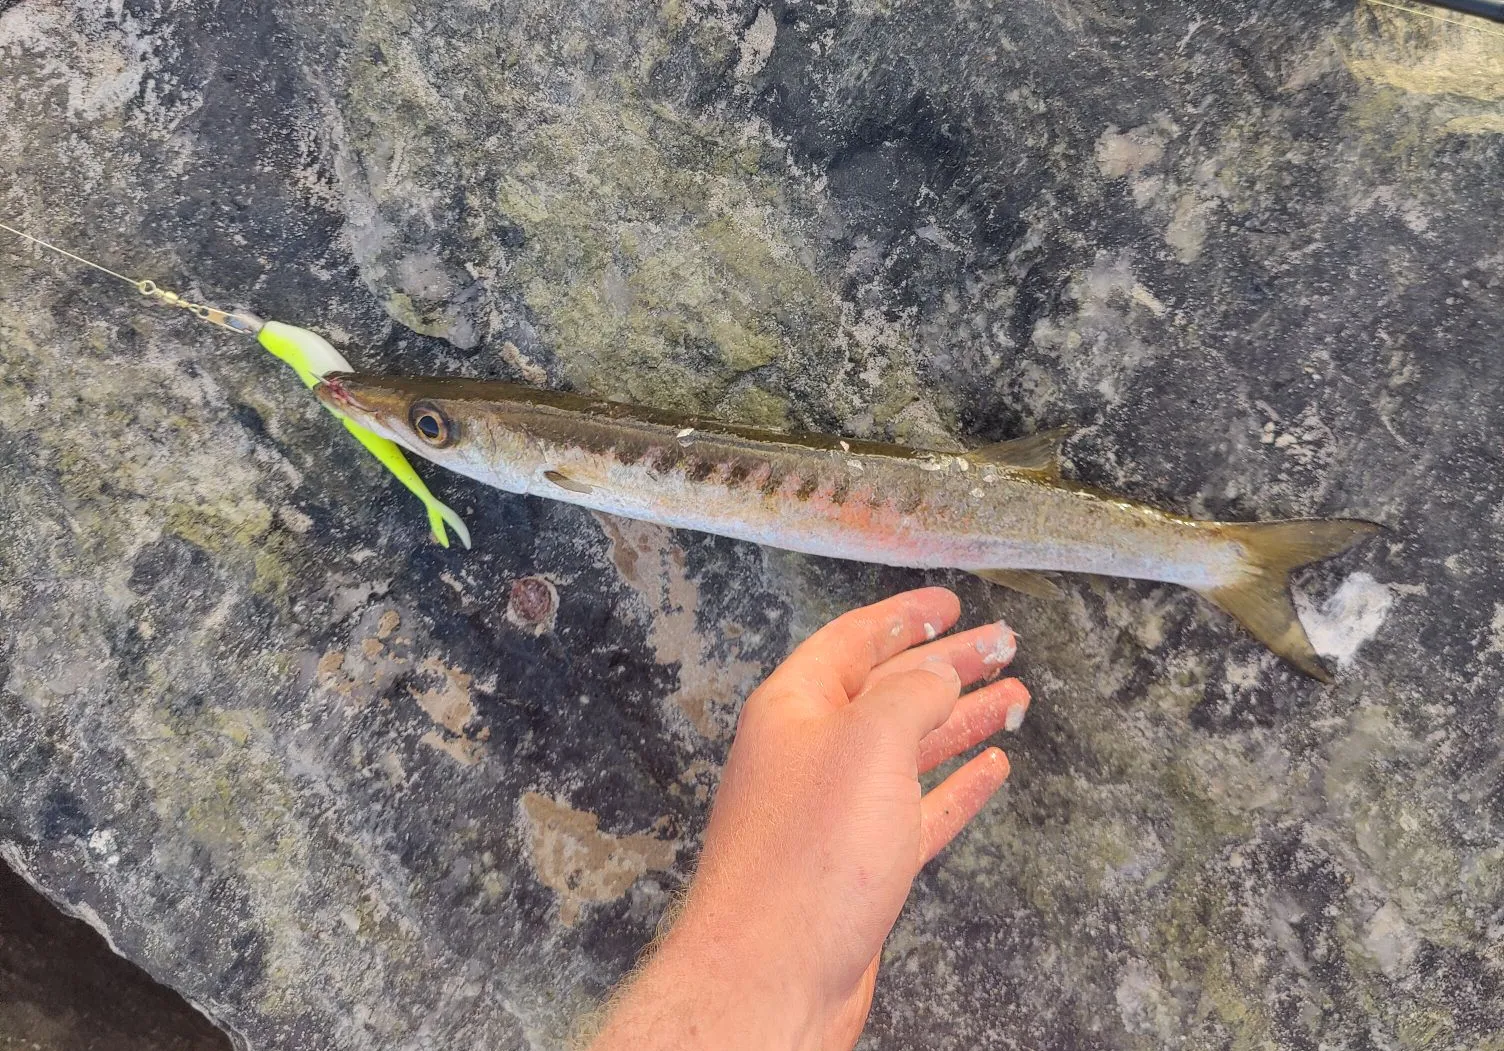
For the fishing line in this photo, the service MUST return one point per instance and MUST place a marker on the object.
(243, 323)
(1495, 11)
(70, 255)
(1482, 8)
(312, 357)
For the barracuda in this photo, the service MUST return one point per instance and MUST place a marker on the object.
(1001, 511)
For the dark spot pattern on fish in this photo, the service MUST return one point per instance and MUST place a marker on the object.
(740, 469)
(807, 487)
(773, 481)
(667, 458)
(700, 469)
(628, 453)
(840, 491)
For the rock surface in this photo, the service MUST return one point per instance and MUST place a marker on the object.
(62, 989)
(345, 789)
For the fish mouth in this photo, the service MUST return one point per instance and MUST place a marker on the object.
(341, 393)
(333, 394)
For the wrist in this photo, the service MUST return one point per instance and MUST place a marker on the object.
(713, 988)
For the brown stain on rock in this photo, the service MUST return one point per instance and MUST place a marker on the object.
(580, 863)
(390, 621)
(367, 670)
(450, 704)
(462, 750)
(651, 562)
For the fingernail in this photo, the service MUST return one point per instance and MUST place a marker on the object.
(1015, 717)
(1002, 649)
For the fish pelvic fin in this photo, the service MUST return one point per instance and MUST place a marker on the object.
(1023, 580)
(1037, 454)
(563, 481)
(1261, 600)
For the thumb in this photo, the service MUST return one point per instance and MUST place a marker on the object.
(919, 700)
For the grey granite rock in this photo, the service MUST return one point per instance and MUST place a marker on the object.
(346, 789)
(62, 989)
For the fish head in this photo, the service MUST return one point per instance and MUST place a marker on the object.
(379, 405)
(433, 419)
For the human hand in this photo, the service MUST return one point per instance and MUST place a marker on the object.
(819, 827)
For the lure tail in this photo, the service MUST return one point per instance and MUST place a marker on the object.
(438, 515)
(391, 457)
(1261, 601)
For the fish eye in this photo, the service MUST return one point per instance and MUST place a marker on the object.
(432, 425)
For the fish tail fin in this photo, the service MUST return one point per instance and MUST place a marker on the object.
(1260, 599)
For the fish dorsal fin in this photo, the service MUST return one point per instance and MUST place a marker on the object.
(1025, 581)
(1038, 453)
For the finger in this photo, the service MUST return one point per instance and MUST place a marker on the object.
(915, 701)
(958, 799)
(977, 716)
(979, 653)
(837, 659)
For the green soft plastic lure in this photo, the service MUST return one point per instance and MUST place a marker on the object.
(312, 357)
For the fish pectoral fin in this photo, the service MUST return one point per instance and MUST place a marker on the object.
(1038, 453)
(1024, 580)
(1261, 599)
(563, 481)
